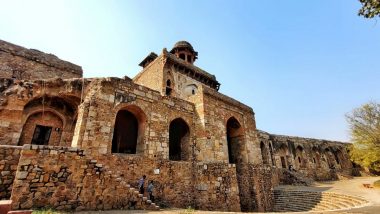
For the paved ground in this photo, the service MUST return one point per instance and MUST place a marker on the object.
(349, 187)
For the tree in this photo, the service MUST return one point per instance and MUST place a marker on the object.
(370, 8)
(365, 133)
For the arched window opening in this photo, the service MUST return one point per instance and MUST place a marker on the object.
(182, 56)
(125, 133)
(234, 140)
(179, 140)
(264, 153)
(169, 89)
(301, 158)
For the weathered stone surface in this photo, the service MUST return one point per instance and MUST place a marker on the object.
(97, 136)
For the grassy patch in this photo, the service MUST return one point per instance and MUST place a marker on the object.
(46, 211)
(376, 184)
(189, 210)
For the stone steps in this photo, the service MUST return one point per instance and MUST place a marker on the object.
(294, 200)
(142, 202)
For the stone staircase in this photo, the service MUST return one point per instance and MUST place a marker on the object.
(300, 201)
(136, 200)
(141, 202)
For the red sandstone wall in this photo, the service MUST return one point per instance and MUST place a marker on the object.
(9, 157)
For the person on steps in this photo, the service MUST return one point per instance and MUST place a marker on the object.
(141, 184)
(150, 191)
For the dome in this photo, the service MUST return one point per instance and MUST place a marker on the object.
(183, 44)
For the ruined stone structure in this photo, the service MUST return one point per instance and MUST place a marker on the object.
(81, 143)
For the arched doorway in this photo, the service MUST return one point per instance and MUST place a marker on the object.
(125, 133)
(234, 140)
(49, 120)
(42, 128)
(179, 140)
(264, 153)
(129, 130)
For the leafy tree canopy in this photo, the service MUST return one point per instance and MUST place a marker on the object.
(370, 8)
(365, 133)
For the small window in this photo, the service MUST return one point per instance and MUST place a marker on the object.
(299, 160)
(41, 135)
(168, 83)
(182, 56)
(192, 91)
(189, 59)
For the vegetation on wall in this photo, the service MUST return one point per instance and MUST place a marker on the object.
(365, 135)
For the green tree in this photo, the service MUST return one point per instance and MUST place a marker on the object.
(370, 8)
(365, 135)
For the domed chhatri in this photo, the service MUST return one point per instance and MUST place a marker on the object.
(185, 51)
(183, 44)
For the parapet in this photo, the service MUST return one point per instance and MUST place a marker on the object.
(22, 63)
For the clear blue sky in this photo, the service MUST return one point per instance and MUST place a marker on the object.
(301, 65)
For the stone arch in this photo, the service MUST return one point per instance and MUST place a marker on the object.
(264, 153)
(129, 130)
(283, 153)
(330, 159)
(300, 161)
(340, 159)
(179, 140)
(50, 117)
(316, 156)
(235, 139)
(169, 84)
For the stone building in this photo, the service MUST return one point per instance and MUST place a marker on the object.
(81, 143)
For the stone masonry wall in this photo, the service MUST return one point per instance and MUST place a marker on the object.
(70, 179)
(314, 158)
(21, 99)
(154, 113)
(151, 76)
(9, 157)
(22, 63)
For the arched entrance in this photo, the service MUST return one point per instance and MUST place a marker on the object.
(125, 133)
(234, 140)
(179, 140)
(49, 120)
(42, 128)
